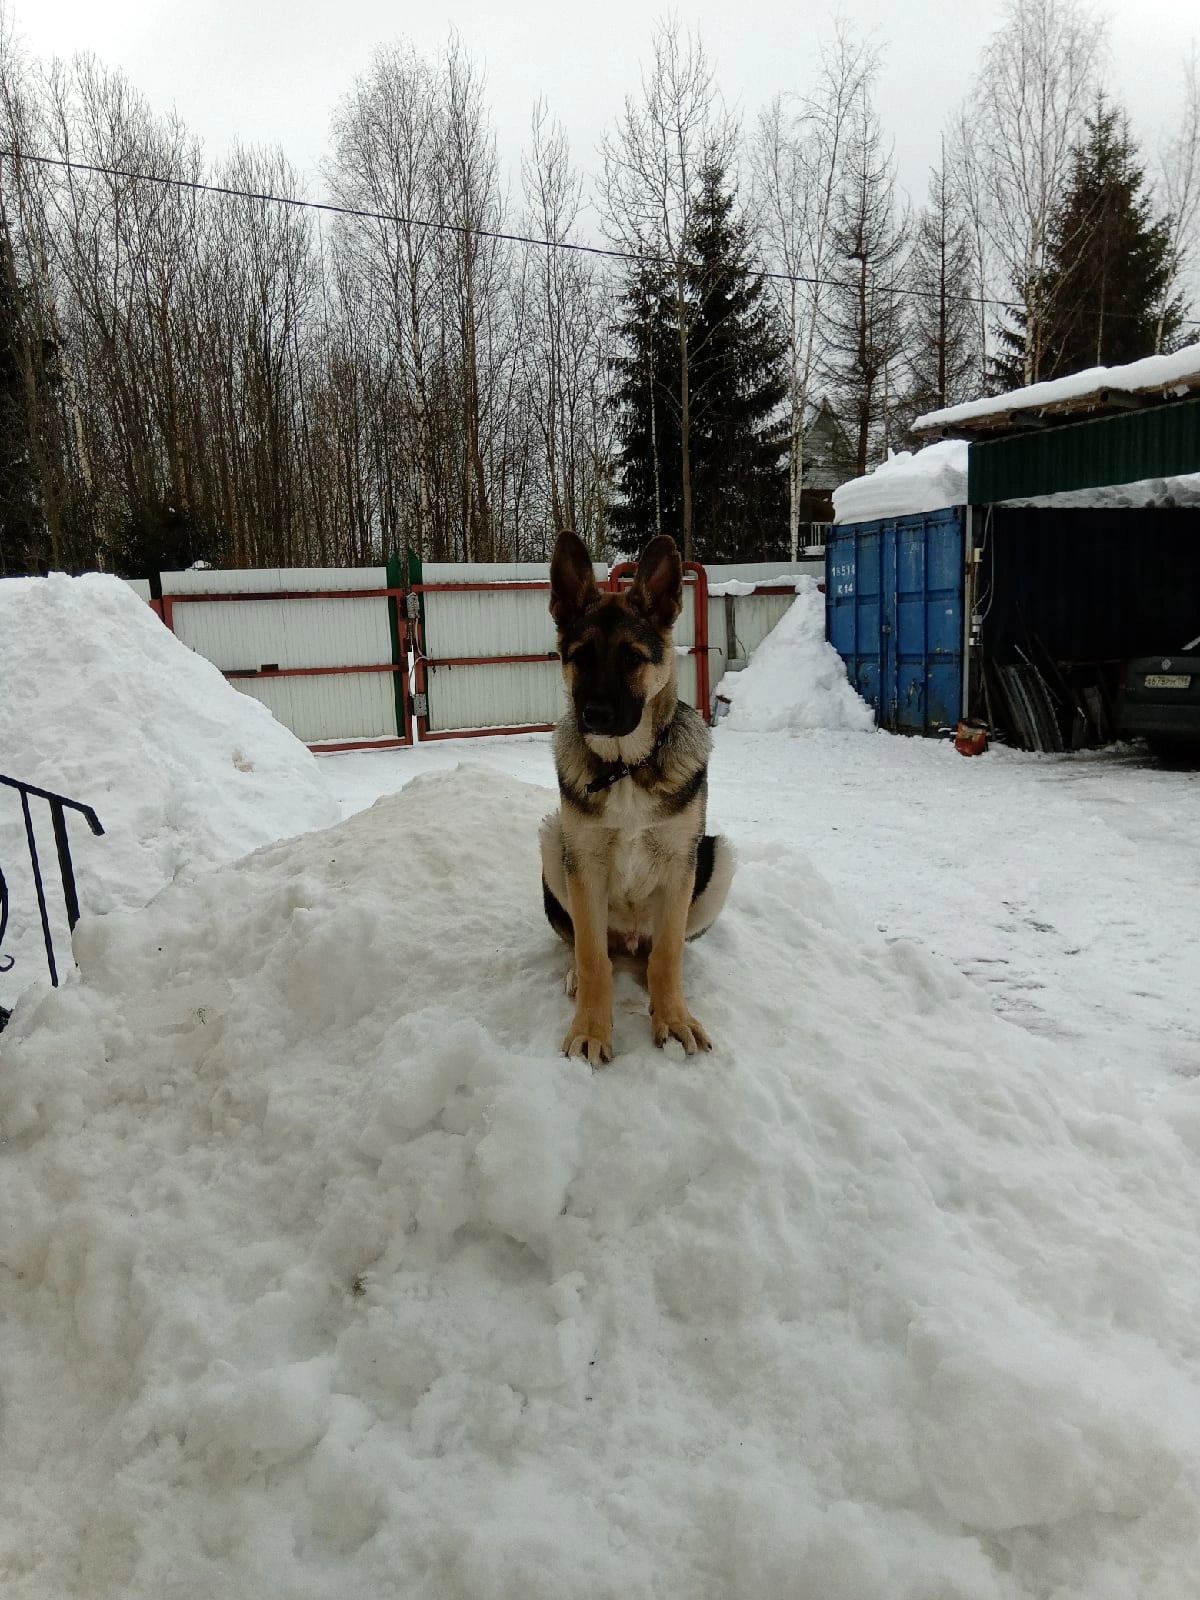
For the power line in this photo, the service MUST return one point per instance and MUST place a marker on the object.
(440, 226)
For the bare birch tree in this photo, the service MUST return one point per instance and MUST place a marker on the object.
(1181, 192)
(866, 322)
(1035, 84)
(564, 344)
(665, 136)
(796, 156)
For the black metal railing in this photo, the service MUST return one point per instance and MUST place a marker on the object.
(59, 806)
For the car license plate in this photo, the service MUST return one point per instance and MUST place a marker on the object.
(1168, 680)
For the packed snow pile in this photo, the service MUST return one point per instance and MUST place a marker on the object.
(795, 680)
(905, 484)
(100, 702)
(325, 1274)
(740, 587)
(935, 477)
(1157, 492)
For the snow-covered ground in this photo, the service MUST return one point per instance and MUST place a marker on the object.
(1065, 887)
(324, 1274)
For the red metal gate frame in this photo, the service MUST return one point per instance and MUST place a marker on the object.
(423, 664)
(165, 607)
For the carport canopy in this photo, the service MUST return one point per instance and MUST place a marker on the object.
(1093, 429)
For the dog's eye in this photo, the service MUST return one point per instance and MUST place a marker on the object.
(634, 656)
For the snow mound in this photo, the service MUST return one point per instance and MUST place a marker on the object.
(100, 702)
(795, 680)
(1167, 493)
(906, 484)
(745, 586)
(323, 1270)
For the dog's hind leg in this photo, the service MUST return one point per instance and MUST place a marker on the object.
(715, 862)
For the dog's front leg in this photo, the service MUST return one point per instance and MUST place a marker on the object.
(590, 1034)
(671, 1018)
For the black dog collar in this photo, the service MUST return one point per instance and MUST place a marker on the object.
(616, 770)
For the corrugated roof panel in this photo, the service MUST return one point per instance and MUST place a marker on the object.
(1161, 442)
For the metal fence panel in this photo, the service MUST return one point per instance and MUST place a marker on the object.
(718, 640)
(754, 615)
(469, 698)
(496, 572)
(247, 635)
(476, 612)
(295, 637)
(322, 710)
(488, 622)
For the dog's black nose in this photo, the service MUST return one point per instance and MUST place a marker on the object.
(597, 717)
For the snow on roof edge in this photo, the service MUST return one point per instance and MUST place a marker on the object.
(1181, 369)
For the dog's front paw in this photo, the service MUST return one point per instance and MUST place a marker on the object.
(677, 1022)
(590, 1038)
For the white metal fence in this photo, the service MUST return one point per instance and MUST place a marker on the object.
(325, 666)
(470, 647)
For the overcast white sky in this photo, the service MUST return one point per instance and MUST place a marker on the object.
(270, 71)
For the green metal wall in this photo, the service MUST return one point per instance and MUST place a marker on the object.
(1159, 442)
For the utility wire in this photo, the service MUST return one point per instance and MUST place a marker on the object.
(462, 229)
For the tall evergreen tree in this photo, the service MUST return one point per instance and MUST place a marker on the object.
(737, 383)
(1108, 265)
(741, 384)
(942, 349)
(646, 394)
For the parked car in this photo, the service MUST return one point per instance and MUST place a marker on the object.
(1159, 701)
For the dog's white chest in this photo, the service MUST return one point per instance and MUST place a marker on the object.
(629, 809)
(635, 864)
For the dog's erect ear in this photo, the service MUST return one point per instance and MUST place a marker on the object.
(658, 584)
(572, 581)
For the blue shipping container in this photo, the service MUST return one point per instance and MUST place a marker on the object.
(894, 613)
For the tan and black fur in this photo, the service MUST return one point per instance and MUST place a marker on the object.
(626, 863)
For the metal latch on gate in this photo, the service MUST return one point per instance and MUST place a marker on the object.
(420, 705)
(412, 606)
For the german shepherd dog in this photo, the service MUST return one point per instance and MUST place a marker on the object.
(626, 863)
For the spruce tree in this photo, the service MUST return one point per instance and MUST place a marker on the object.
(647, 398)
(740, 383)
(737, 382)
(1108, 267)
